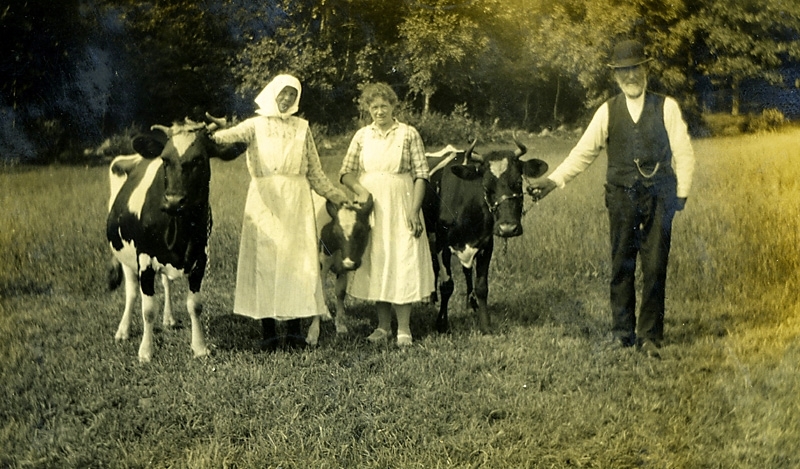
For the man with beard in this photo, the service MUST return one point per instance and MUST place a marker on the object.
(650, 167)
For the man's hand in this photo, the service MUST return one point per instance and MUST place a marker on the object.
(539, 188)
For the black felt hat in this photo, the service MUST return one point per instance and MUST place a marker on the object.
(628, 54)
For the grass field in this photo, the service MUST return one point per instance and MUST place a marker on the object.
(541, 392)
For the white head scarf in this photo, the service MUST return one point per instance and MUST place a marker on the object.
(266, 99)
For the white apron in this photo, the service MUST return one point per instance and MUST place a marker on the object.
(278, 271)
(396, 266)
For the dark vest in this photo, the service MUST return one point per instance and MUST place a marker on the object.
(646, 141)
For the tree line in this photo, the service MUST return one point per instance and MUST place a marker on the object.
(77, 71)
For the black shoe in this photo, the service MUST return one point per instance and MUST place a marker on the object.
(270, 344)
(649, 348)
(295, 342)
(620, 342)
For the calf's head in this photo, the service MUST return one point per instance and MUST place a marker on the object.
(185, 166)
(501, 173)
(349, 233)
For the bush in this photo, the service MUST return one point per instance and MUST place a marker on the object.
(721, 124)
(437, 129)
(119, 144)
(769, 120)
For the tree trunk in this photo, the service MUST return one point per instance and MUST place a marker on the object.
(525, 108)
(427, 103)
(555, 104)
(735, 98)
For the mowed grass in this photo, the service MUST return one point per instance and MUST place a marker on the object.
(542, 391)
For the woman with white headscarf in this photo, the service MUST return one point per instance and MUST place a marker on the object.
(278, 275)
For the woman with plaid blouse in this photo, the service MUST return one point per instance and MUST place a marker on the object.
(387, 160)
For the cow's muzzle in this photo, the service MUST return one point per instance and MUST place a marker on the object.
(173, 204)
(508, 230)
(350, 264)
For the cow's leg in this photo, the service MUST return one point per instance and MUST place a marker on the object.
(169, 319)
(436, 264)
(482, 286)
(195, 307)
(341, 316)
(131, 291)
(470, 301)
(147, 286)
(446, 288)
(312, 337)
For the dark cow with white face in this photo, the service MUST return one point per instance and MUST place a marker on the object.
(159, 221)
(470, 199)
(343, 237)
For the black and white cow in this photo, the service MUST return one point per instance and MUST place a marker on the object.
(469, 200)
(343, 237)
(159, 221)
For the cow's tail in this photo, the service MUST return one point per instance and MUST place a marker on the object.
(114, 274)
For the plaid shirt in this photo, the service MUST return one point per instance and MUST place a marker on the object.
(412, 160)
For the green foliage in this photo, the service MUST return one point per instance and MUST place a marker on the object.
(95, 67)
(435, 44)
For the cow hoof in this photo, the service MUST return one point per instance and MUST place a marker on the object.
(341, 329)
(145, 358)
(203, 352)
(120, 336)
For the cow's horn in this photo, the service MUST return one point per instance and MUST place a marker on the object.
(167, 130)
(468, 154)
(521, 149)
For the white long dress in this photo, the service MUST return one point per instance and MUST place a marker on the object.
(278, 271)
(396, 267)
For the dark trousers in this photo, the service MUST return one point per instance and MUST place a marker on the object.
(640, 222)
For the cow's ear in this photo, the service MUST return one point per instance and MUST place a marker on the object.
(534, 168)
(148, 146)
(467, 172)
(330, 207)
(230, 151)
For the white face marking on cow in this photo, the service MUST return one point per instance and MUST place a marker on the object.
(136, 201)
(182, 142)
(347, 220)
(466, 256)
(498, 167)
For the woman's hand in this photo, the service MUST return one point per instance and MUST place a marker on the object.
(362, 194)
(414, 224)
(217, 123)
